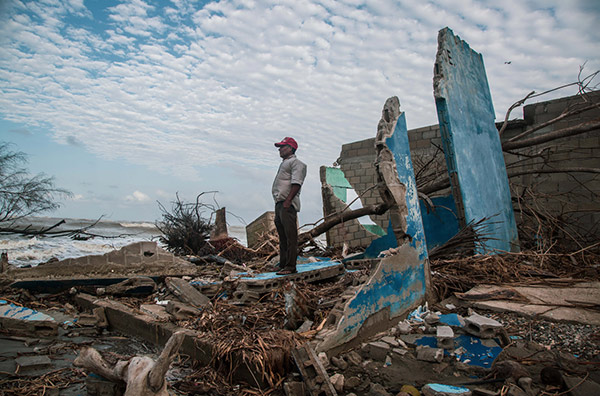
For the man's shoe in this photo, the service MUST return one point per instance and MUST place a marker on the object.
(286, 271)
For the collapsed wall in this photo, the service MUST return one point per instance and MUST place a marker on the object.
(557, 193)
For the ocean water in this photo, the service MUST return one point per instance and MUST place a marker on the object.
(24, 250)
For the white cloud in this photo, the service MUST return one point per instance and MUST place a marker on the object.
(137, 196)
(183, 90)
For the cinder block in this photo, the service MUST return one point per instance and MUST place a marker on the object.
(445, 337)
(481, 326)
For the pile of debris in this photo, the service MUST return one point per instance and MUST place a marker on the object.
(267, 342)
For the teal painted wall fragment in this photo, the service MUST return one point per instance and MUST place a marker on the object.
(336, 179)
(471, 142)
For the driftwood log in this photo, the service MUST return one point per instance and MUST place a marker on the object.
(142, 375)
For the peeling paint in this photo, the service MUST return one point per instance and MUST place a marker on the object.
(400, 281)
(471, 142)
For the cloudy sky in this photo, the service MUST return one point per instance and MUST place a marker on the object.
(128, 102)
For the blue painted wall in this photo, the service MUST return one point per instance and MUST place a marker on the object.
(398, 145)
(471, 141)
(399, 282)
(440, 225)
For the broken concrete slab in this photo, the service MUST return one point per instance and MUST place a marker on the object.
(186, 292)
(157, 311)
(307, 272)
(28, 363)
(139, 285)
(472, 144)
(141, 258)
(575, 303)
(181, 311)
(22, 320)
(145, 327)
(428, 354)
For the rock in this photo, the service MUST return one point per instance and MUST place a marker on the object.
(388, 361)
(352, 383)
(399, 351)
(428, 354)
(338, 382)
(404, 327)
(378, 390)
(324, 359)
(354, 358)
(390, 340)
(25, 363)
(376, 350)
(339, 363)
(432, 318)
(305, 326)
(293, 388)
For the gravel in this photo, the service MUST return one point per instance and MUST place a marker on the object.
(580, 340)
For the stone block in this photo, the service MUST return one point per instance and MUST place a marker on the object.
(376, 350)
(481, 326)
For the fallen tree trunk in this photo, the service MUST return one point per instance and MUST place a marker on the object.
(341, 217)
(142, 375)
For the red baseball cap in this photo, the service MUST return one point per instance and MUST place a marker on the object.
(288, 141)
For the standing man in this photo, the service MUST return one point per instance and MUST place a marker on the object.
(286, 193)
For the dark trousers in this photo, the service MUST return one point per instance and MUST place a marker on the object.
(286, 222)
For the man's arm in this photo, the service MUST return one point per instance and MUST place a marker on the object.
(293, 191)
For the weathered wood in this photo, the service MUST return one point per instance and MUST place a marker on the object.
(142, 375)
(186, 292)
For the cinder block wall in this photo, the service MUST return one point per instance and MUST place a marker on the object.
(356, 161)
(256, 230)
(568, 195)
